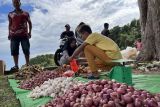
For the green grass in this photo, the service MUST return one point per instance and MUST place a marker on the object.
(7, 96)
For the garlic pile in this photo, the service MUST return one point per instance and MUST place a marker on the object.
(53, 87)
(149, 67)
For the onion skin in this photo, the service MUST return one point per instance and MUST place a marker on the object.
(105, 96)
(157, 98)
(72, 98)
(127, 98)
(103, 82)
(72, 104)
(105, 105)
(124, 86)
(121, 91)
(130, 105)
(76, 105)
(88, 102)
(111, 104)
(138, 102)
(103, 101)
(96, 101)
(114, 95)
(67, 103)
(153, 103)
(108, 91)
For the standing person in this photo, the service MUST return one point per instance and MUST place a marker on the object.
(19, 32)
(67, 33)
(96, 46)
(105, 31)
(138, 44)
(77, 35)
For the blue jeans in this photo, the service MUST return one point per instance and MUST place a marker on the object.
(15, 42)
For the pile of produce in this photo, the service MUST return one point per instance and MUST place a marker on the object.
(148, 67)
(27, 72)
(103, 93)
(39, 79)
(83, 70)
(53, 87)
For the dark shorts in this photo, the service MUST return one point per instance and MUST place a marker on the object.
(15, 42)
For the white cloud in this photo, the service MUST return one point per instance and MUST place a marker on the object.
(50, 16)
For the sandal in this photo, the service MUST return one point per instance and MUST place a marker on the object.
(15, 68)
(12, 70)
(93, 76)
(84, 75)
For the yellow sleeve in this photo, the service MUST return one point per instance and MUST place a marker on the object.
(91, 39)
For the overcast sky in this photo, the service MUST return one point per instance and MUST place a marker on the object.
(49, 17)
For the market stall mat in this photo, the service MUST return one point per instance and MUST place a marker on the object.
(147, 82)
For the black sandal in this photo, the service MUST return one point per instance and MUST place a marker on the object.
(93, 76)
(15, 68)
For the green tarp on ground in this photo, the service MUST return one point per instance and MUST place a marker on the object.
(22, 96)
(148, 82)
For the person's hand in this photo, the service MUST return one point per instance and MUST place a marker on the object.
(70, 58)
(9, 37)
(29, 35)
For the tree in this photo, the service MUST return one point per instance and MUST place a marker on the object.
(150, 29)
(43, 60)
(115, 34)
(126, 35)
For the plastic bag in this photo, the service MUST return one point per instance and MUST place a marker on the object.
(68, 73)
(129, 53)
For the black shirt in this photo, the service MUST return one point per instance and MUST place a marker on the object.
(67, 33)
(105, 32)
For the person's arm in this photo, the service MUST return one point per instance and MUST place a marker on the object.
(9, 27)
(72, 34)
(78, 50)
(30, 26)
(65, 54)
(62, 35)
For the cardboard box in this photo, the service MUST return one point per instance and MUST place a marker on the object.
(2, 67)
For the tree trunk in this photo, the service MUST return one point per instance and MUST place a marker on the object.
(150, 29)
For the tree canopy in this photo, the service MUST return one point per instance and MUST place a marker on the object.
(126, 35)
(43, 60)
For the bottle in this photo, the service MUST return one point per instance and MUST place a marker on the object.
(74, 65)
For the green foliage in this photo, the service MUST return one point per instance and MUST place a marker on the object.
(43, 60)
(126, 35)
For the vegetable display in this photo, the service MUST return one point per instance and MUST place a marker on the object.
(53, 87)
(103, 93)
(39, 79)
(27, 72)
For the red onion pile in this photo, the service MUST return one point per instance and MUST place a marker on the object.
(39, 79)
(103, 93)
